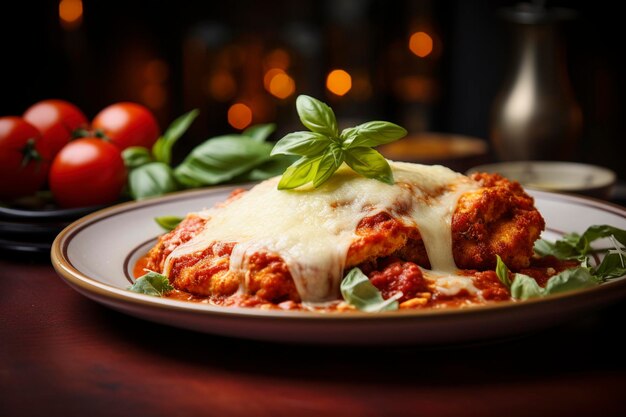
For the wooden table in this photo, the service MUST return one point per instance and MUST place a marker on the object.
(64, 355)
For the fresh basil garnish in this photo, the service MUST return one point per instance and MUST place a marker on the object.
(259, 133)
(152, 283)
(168, 222)
(150, 180)
(162, 149)
(221, 159)
(323, 149)
(136, 156)
(357, 290)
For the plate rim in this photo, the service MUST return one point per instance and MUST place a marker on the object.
(85, 284)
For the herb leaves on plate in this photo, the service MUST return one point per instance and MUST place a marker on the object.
(323, 149)
(571, 247)
(152, 283)
(358, 290)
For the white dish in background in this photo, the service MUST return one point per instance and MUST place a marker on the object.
(95, 256)
(570, 177)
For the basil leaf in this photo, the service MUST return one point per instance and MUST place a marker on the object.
(561, 249)
(152, 283)
(357, 290)
(568, 280)
(370, 164)
(525, 287)
(300, 172)
(502, 271)
(301, 143)
(330, 162)
(317, 116)
(259, 133)
(136, 156)
(612, 266)
(221, 159)
(274, 166)
(597, 232)
(168, 222)
(372, 134)
(153, 179)
(162, 149)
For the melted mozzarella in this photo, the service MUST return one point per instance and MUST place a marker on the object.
(312, 229)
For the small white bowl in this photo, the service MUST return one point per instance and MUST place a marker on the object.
(571, 177)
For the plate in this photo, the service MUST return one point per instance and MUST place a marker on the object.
(95, 255)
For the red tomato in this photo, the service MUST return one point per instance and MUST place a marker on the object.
(87, 172)
(56, 120)
(128, 124)
(22, 171)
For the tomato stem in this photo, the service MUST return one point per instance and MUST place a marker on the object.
(30, 153)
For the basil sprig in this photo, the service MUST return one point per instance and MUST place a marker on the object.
(323, 149)
(152, 283)
(229, 158)
(358, 290)
(572, 246)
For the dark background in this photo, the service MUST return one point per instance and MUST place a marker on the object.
(106, 59)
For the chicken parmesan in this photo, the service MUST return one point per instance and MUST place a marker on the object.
(430, 240)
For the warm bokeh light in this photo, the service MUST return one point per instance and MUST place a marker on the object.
(239, 116)
(156, 71)
(71, 13)
(339, 82)
(269, 75)
(282, 86)
(421, 44)
(154, 96)
(278, 58)
(222, 86)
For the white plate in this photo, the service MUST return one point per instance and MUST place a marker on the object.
(95, 255)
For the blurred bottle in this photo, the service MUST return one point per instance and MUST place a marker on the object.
(535, 114)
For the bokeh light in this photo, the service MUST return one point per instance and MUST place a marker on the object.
(339, 82)
(239, 116)
(71, 13)
(421, 44)
(282, 86)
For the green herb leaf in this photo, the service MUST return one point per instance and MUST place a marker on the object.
(301, 172)
(370, 164)
(317, 116)
(372, 134)
(358, 291)
(168, 222)
(259, 133)
(221, 159)
(152, 283)
(330, 162)
(136, 156)
(301, 143)
(162, 149)
(612, 266)
(525, 287)
(502, 272)
(276, 165)
(152, 179)
(570, 279)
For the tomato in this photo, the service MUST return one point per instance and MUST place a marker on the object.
(128, 124)
(56, 120)
(87, 172)
(22, 170)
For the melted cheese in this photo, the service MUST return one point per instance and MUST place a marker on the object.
(312, 229)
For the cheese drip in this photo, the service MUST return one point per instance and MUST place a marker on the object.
(312, 229)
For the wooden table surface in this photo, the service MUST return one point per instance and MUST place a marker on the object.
(64, 355)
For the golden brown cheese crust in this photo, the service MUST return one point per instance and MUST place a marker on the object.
(497, 218)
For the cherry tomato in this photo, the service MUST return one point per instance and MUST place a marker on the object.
(128, 124)
(87, 172)
(56, 120)
(22, 170)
